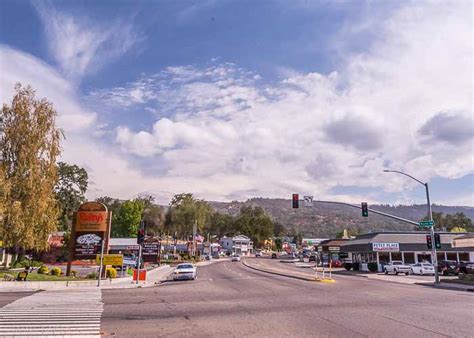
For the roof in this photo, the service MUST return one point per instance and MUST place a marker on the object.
(333, 242)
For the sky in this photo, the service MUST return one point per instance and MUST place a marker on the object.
(232, 100)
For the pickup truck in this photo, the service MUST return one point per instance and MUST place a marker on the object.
(397, 267)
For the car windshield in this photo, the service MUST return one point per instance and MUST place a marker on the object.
(184, 266)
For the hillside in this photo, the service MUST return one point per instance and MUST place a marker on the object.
(325, 220)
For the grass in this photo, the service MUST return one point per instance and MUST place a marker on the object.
(38, 277)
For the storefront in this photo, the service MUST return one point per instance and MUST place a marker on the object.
(409, 247)
(330, 250)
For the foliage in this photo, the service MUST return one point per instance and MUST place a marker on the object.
(125, 223)
(112, 204)
(278, 244)
(458, 229)
(352, 232)
(221, 225)
(70, 189)
(25, 263)
(153, 215)
(56, 271)
(279, 230)
(183, 212)
(111, 273)
(73, 273)
(449, 222)
(29, 143)
(254, 223)
(92, 275)
(43, 270)
(372, 266)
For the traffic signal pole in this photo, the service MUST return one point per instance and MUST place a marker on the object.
(434, 256)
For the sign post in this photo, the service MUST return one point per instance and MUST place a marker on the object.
(101, 263)
(139, 262)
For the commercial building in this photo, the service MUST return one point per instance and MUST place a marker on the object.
(330, 249)
(409, 247)
(241, 245)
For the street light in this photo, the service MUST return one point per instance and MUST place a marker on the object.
(434, 257)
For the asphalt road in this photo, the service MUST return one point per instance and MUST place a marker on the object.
(229, 299)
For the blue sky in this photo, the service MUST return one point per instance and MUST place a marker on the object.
(239, 99)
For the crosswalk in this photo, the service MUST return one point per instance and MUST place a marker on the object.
(53, 313)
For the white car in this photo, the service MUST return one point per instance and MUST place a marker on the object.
(422, 269)
(397, 267)
(258, 254)
(236, 258)
(184, 271)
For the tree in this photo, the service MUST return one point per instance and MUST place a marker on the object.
(153, 215)
(254, 223)
(30, 145)
(184, 211)
(279, 229)
(351, 232)
(458, 229)
(448, 222)
(125, 223)
(112, 204)
(70, 190)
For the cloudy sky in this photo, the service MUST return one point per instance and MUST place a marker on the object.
(237, 99)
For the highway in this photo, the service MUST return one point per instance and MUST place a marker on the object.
(230, 300)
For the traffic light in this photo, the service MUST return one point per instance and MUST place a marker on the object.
(429, 242)
(365, 209)
(141, 232)
(437, 241)
(296, 201)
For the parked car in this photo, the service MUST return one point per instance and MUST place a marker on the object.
(448, 268)
(258, 253)
(185, 271)
(466, 267)
(422, 269)
(236, 258)
(274, 255)
(397, 267)
(312, 258)
(336, 264)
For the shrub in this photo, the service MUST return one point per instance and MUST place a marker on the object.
(372, 266)
(347, 266)
(73, 273)
(111, 273)
(43, 270)
(92, 275)
(56, 271)
(355, 266)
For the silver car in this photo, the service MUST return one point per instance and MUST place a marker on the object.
(184, 271)
(422, 269)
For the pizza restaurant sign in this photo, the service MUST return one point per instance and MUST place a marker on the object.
(385, 247)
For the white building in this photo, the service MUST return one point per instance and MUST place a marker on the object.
(241, 245)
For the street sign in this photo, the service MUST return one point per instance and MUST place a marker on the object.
(426, 224)
(116, 260)
(308, 201)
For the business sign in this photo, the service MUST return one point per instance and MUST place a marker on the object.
(91, 227)
(385, 247)
(320, 248)
(87, 244)
(91, 221)
(334, 248)
(116, 260)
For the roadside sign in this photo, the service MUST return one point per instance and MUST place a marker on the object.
(426, 224)
(308, 201)
(334, 248)
(116, 260)
(133, 247)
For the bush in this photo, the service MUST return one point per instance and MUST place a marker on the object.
(111, 273)
(372, 266)
(355, 266)
(73, 273)
(347, 266)
(92, 275)
(56, 271)
(43, 270)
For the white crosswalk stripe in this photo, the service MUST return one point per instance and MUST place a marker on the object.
(69, 312)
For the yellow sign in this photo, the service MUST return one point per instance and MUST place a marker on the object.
(1, 244)
(116, 260)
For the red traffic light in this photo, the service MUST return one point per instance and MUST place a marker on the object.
(296, 201)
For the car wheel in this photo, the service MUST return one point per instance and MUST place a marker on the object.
(421, 272)
(386, 271)
(396, 272)
(407, 273)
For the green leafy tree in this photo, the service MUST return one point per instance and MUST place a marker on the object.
(278, 244)
(184, 210)
(112, 204)
(447, 222)
(153, 215)
(30, 146)
(458, 229)
(70, 191)
(254, 223)
(127, 220)
(221, 225)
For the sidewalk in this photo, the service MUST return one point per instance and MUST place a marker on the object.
(153, 277)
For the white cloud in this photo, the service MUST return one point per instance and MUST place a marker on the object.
(312, 131)
(80, 45)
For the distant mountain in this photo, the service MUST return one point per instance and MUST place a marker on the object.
(325, 220)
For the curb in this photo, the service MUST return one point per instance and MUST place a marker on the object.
(448, 287)
(306, 279)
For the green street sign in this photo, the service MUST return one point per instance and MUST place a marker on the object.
(427, 224)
